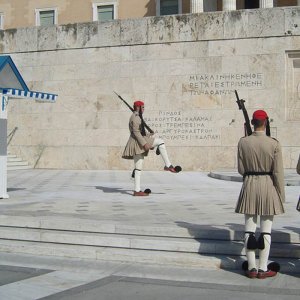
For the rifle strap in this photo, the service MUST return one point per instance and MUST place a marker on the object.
(143, 130)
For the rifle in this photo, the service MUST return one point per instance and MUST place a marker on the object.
(247, 126)
(144, 123)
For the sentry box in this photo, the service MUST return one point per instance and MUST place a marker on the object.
(12, 85)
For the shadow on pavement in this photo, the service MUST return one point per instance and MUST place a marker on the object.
(15, 189)
(218, 242)
(105, 189)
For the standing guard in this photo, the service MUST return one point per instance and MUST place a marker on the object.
(262, 194)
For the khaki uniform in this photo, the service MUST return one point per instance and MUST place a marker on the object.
(136, 141)
(260, 194)
(298, 166)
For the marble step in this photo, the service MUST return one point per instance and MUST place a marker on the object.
(194, 260)
(181, 230)
(16, 163)
(140, 242)
(111, 254)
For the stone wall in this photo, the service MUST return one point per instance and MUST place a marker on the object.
(184, 67)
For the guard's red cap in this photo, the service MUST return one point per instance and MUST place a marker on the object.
(259, 115)
(138, 103)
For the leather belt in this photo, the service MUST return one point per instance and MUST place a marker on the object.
(253, 173)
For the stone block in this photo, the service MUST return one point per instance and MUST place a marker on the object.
(292, 23)
(66, 36)
(235, 24)
(289, 137)
(133, 31)
(160, 29)
(46, 38)
(210, 26)
(266, 22)
(64, 72)
(221, 48)
(185, 27)
(26, 39)
(195, 49)
(118, 54)
(87, 35)
(8, 41)
(72, 157)
(109, 33)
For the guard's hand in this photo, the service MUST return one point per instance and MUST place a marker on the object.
(147, 147)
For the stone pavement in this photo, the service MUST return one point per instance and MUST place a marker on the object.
(177, 200)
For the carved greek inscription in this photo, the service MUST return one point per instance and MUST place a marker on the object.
(222, 84)
(185, 126)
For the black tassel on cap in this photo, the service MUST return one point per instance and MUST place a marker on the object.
(268, 131)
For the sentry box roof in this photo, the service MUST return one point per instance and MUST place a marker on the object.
(13, 85)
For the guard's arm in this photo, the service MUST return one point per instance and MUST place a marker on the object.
(278, 173)
(241, 168)
(136, 122)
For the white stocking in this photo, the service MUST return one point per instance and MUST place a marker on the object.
(163, 151)
(265, 227)
(250, 226)
(138, 165)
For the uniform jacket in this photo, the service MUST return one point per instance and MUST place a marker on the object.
(263, 194)
(136, 141)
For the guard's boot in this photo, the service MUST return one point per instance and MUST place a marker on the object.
(251, 273)
(265, 274)
(170, 168)
(140, 193)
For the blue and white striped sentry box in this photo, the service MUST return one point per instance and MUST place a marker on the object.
(42, 97)
(12, 85)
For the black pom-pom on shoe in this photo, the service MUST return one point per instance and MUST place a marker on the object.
(274, 266)
(245, 265)
(178, 169)
(147, 191)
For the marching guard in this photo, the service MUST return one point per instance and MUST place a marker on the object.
(138, 146)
